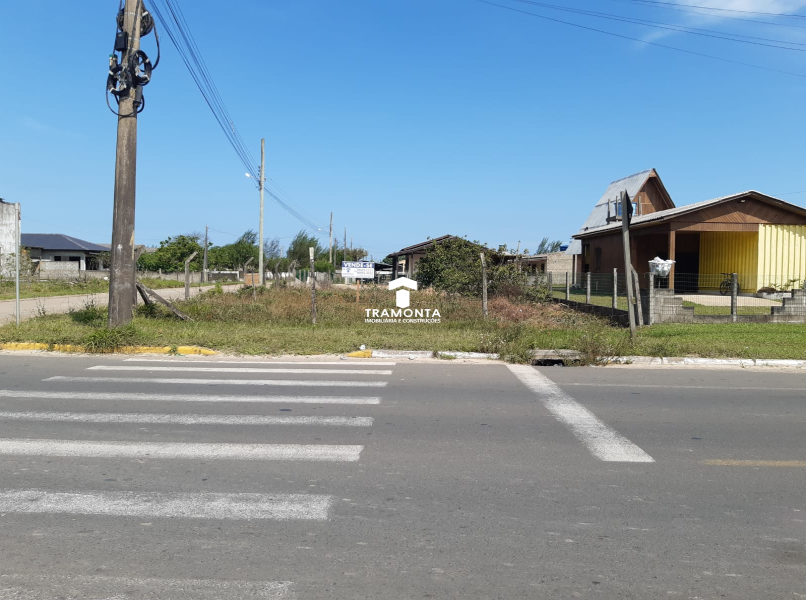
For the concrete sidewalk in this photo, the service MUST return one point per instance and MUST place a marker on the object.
(33, 307)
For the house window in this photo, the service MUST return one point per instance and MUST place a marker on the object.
(618, 208)
(74, 259)
(598, 259)
(57, 258)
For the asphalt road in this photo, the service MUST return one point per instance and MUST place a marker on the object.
(124, 478)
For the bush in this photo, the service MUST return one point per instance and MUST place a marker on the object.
(109, 340)
(91, 314)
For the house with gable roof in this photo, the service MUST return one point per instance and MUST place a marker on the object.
(757, 236)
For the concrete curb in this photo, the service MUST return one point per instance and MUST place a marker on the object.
(571, 356)
(414, 354)
(184, 350)
(734, 362)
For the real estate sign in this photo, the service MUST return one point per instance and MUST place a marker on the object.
(358, 270)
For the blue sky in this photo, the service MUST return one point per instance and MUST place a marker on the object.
(407, 118)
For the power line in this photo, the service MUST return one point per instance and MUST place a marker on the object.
(713, 8)
(626, 37)
(178, 30)
(694, 12)
(721, 35)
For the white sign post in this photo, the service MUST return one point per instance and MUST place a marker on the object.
(358, 270)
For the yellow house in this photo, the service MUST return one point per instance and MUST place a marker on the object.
(759, 237)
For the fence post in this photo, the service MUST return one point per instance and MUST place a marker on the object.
(483, 285)
(651, 298)
(550, 281)
(567, 287)
(187, 274)
(638, 305)
(588, 288)
(313, 287)
(615, 289)
(734, 295)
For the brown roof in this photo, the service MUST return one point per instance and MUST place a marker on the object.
(422, 246)
(666, 215)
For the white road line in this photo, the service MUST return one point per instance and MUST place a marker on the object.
(602, 441)
(176, 450)
(242, 370)
(162, 419)
(359, 361)
(47, 587)
(268, 382)
(137, 396)
(204, 505)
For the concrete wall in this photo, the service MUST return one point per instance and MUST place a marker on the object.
(59, 270)
(559, 263)
(8, 232)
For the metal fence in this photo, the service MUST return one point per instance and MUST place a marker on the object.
(729, 294)
(598, 289)
(690, 297)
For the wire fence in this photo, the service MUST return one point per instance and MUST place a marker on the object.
(598, 289)
(688, 297)
(731, 294)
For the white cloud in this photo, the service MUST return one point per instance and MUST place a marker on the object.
(32, 123)
(693, 17)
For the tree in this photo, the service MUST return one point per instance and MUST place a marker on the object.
(272, 248)
(454, 266)
(171, 255)
(547, 247)
(298, 248)
(234, 255)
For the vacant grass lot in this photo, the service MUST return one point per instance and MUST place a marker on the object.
(42, 289)
(278, 322)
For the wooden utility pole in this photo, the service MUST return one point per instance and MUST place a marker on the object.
(204, 266)
(260, 234)
(17, 252)
(625, 239)
(483, 285)
(330, 255)
(123, 273)
(187, 274)
(345, 243)
(313, 286)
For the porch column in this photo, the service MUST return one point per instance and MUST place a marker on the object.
(672, 242)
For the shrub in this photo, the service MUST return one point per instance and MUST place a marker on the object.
(109, 340)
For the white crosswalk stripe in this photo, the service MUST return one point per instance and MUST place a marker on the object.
(242, 370)
(163, 419)
(181, 381)
(152, 450)
(242, 506)
(143, 397)
(206, 361)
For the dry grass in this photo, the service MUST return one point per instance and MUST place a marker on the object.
(278, 322)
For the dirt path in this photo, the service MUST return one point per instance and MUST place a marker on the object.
(32, 307)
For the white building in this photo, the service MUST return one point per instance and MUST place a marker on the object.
(61, 255)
